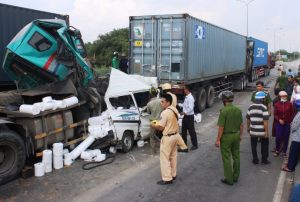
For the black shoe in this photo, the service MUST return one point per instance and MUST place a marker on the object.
(174, 178)
(265, 162)
(193, 148)
(235, 181)
(161, 182)
(255, 161)
(226, 182)
(183, 150)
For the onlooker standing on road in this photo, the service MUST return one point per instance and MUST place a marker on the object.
(296, 90)
(168, 124)
(295, 145)
(229, 136)
(115, 62)
(290, 73)
(257, 125)
(154, 109)
(289, 87)
(280, 69)
(267, 101)
(124, 63)
(283, 114)
(281, 81)
(188, 118)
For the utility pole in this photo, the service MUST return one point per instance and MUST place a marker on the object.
(246, 4)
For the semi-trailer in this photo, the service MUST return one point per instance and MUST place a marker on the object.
(181, 49)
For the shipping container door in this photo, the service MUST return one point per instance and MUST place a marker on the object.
(170, 48)
(143, 46)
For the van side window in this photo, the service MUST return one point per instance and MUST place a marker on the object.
(125, 102)
(39, 42)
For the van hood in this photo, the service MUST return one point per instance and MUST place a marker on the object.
(122, 84)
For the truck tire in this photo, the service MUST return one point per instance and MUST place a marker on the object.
(201, 99)
(210, 92)
(12, 155)
(127, 141)
(10, 97)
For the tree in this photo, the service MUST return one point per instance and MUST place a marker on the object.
(101, 51)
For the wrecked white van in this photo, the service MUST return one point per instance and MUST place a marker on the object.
(125, 96)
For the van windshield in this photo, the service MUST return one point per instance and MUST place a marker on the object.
(122, 102)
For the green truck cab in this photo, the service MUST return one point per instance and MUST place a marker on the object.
(46, 58)
(47, 51)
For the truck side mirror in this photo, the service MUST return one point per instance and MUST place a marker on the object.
(64, 55)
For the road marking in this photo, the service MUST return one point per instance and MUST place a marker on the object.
(279, 189)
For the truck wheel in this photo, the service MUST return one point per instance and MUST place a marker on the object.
(12, 155)
(127, 141)
(210, 92)
(201, 99)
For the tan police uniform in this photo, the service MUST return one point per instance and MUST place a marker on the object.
(174, 99)
(181, 143)
(168, 145)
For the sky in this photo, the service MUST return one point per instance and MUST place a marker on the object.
(274, 21)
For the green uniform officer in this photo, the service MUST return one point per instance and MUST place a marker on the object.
(229, 136)
(115, 62)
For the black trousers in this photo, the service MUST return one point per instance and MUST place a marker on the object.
(264, 148)
(188, 125)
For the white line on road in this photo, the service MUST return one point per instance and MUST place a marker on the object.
(279, 189)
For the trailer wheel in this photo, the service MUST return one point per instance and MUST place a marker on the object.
(210, 92)
(244, 81)
(201, 99)
(12, 155)
(127, 141)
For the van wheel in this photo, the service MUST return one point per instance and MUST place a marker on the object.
(210, 91)
(127, 141)
(12, 155)
(201, 99)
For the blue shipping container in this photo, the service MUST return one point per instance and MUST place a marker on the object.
(260, 56)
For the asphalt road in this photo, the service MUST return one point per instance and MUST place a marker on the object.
(133, 176)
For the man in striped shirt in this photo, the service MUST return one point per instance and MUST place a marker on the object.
(257, 125)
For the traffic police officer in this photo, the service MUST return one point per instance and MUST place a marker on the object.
(168, 124)
(167, 88)
(229, 136)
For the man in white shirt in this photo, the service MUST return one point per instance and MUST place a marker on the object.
(188, 119)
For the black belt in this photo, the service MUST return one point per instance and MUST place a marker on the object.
(171, 134)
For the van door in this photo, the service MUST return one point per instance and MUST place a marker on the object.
(125, 115)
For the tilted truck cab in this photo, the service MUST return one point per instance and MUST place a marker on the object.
(46, 58)
(46, 51)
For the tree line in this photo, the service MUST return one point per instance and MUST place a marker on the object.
(100, 52)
